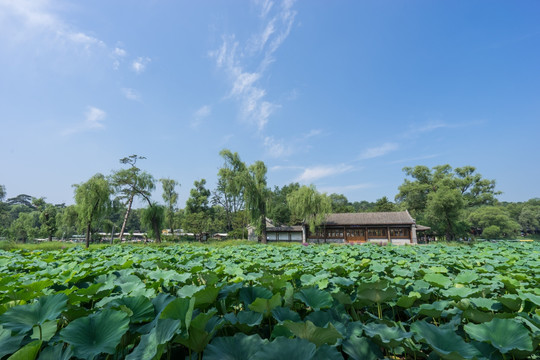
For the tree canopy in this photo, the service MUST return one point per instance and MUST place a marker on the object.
(92, 199)
(308, 204)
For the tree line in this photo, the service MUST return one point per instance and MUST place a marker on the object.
(455, 203)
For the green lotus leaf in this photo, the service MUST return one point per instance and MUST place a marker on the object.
(265, 306)
(361, 348)
(504, 334)
(438, 280)
(22, 318)
(206, 296)
(56, 352)
(187, 291)
(477, 316)
(535, 299)
(406, 301)
(249, 318)
(511, 301)
(486, 304)
(9, 343)
(27, 352)
(179, 309)
(248, 295)
(377, 292)
(141, 308)
(229, 289)
(466, 277)
(315, 298)
(444, 341)
(201, 331)
(47, 331)
(282, 313)
(389, 335)
(97, 333)
(237, 347)
(152, 345)
(168, 276)
(317, 335)
(459, 292)
(284, 348)
(327, 352)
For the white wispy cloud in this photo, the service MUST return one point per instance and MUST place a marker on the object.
(321, 171)
(234, 57)
(139, 64)
(39, 20)
(286, 167)
(36, 17)
(119, 52)
(131, 94)
(378, 151)
(93, 119)
(344, 188)
(118, 55)
(418, 158)
(312, 133)
(276, 148)
(202, 113)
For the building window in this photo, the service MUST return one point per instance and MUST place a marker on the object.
(377, 232)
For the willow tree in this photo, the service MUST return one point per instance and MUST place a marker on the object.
(229, 191)
(256, 195)
(130, 183)
(170, 196)
(308, 204)
(153, 217)
(92, 199)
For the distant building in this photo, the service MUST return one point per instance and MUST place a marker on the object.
(376, 227)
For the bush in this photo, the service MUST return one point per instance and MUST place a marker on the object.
(492, 232)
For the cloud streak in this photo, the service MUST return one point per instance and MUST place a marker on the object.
(131, 94)
(139, 64)
(318, 172)
(378, 151)
(93, 120)
(233, 57)
(201, 114)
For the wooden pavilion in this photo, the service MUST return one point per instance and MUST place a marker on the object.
(376, 227)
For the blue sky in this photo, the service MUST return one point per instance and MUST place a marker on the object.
(341, 94)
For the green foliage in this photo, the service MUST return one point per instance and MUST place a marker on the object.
(278, 209)
(48, 220)
(495, 221)
(245, 300)
(384, 205)
(441, 195)
(153, 218)
(96, 334)
(308, 204)
(229, 193)
(199, 196)
(340, 204)
(92, 199)
(170, 196)
(445, 212)
(255, 195)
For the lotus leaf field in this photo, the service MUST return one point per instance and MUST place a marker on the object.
(477, 301)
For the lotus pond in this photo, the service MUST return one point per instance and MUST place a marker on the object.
(270, 302)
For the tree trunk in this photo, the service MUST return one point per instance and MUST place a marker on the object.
(88, 234)
(157, 232)
(50, 237)
(304, 235)
(263, 230)
(126, 217)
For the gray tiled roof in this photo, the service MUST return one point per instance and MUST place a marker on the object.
(284, 228)
(370, 218)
